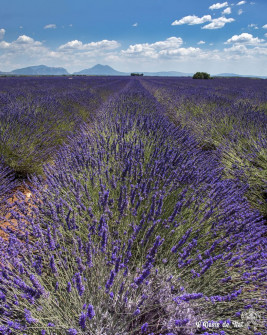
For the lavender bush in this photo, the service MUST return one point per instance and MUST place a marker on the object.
(38, 114)
(133, 230)
(228, 117)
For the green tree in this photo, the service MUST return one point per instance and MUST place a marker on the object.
(201, 75)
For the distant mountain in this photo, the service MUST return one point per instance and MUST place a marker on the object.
(227, 75)
(101, 70)
(168, 74)
(40, 70)
(237, 75)
(105, 70)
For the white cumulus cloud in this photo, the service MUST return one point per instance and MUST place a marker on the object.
(201, 42)
(218, 5)
(171, 47)
(180, 52)
(227, 11)
(23, 44)
(2, 33)
(265, 26)
(80, 46)
(241, 3)
(135, 24)
(218, 23)
(244, 38)
(151, 48)
(192, 19)
(24, 39)
(240, 11)
(50, 26)
(171, 42)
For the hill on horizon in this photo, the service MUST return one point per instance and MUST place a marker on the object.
(99, 69)
(40, 70)
(105, 70)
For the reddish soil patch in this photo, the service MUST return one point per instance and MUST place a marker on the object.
(6, 218)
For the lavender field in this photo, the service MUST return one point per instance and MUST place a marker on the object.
(133, 205)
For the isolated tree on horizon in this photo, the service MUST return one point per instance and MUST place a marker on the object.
(201, 75)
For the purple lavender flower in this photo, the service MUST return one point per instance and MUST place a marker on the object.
(50, 239)
(81, 267)
(143, 276)
(79, 284)
(152, 252)
(181, 323)
(82, 321)
(69, 287)
(144, 327)
(137, 312)
(37, 285)
(104, 239)
(2, 296)
(53, 265)
(121, 288)
(90, 311)
(117, 264)
(110, 281)
(182, 241)
(15, 325)
(28, 316)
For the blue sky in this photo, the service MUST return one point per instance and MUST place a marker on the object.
(140, 35)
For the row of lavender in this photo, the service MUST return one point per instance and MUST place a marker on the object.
(37, 115)
(228, 116)
(135, 230)
(7, 182)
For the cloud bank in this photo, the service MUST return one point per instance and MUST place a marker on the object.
(172, 53)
